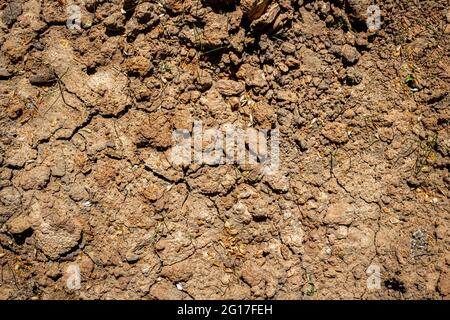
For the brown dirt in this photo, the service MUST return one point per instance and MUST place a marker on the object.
(85, 129)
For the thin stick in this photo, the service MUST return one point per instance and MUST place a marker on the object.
(60, 84)
(14, 276)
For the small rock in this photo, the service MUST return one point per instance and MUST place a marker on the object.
(279, 183)
(87, 204)
(132, 257)
(301, 143)
(179, 286)
(78, 192)
(253, 9)
(340, 213)
(288, 48)
(283, 67)
(216, 30)
(323, 86)
(362, 41)
(286, 95)
(267, 18)
(176, 6)
(235, 18)
(53, 271)
(164, 290)
(281, 20)
(251, 273)
(353, 76)
(447, 29)
(264, 115)
(253, 77)
(336, 132)
(291, 62)
(204, 80)
(179, 272)
(213, 180)
(144, 12)
(16, 157)
(341, 232)
(10, 196)
(5, 177)
(45, 77)
(139, 65)
(59, 168)
(37, 178)
(4, 74)
(115, 22)
(213, 101)
(419, 243)
(56, 241)
(157, 130)
(358, 10)
(160, 165)
(152, 192)
(413, 182)
(229, 87)
(293, 235)
(444, 283)
(86, 266)
(38, 45)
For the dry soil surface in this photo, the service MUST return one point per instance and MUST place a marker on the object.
(86, 125)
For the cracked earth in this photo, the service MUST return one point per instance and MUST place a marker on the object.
(361, 196)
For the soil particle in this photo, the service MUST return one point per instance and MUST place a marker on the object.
(419, 243)
(12, 11)
(17, 157)
(267, 18)
(165, 290)
(253, 9)
(340, 213)
(357, 11)
(115, 22)
(286, 95)
(252, 76)
(336, 132)
(352, 76)
(216, 30)
(349, 54)
(204, 80)
(10, 196)
(4, 74)
(55, 241)
(444, 283)
(139, 65)
(78, 192)
(229, 87)
(19, 224)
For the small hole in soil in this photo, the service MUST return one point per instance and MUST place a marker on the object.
(221, 6)
(395, 285)
(113, 33)
(22, 237)
(259, 219)
(90, 70)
